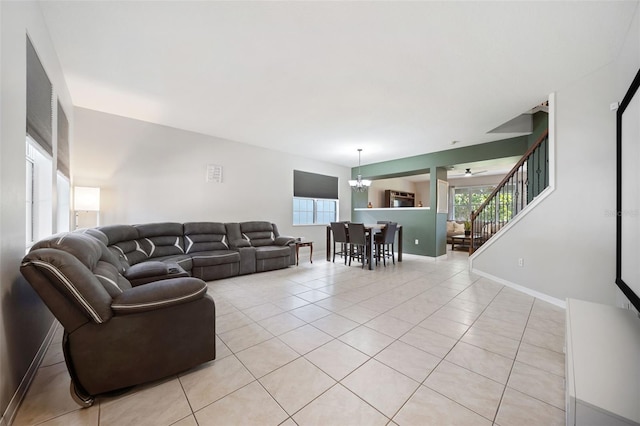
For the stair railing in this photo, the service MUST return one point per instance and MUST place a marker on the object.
(528, 178)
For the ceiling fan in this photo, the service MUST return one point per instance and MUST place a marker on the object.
(469, 173)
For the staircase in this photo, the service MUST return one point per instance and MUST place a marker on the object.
(528, 178)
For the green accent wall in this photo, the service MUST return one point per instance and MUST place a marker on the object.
(425, 162)
(425, 225)
(415, 225)
(438, 245)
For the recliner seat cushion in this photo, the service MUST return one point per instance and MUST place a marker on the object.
(215, 257)
(270, 252)
(184, 260)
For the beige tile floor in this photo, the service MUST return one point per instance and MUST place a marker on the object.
(423, 342)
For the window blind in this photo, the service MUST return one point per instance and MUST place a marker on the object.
(313, 185)
(39, 95)
(63, 142)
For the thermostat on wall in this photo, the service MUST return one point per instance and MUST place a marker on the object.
(214, 173)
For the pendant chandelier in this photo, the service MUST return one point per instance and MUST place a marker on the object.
(359, 184)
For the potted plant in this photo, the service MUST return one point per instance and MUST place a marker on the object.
(467, 228)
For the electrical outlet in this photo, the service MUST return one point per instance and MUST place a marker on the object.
(521, 262)
(416, 242)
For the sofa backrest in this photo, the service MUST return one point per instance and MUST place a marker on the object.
(205, 236)
(161, 239)
(123, 241)
(258, 233)
(76, 275)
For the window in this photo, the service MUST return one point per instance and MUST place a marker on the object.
(315, 198)
(312, 211)
(468, 199)
(39, 149)
(39, 193)
(326, 211)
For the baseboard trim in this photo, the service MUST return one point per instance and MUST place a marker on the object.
(560, 303)
(12, 409)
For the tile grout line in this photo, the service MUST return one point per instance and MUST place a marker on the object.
(495, 417)
(376, 291)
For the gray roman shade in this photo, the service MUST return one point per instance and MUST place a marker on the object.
(313, 185)
(39, 95)
(63, 142)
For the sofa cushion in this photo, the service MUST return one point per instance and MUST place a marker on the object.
(458, 228)
(122, 241)
(86, 249)
(205, 236)
(68, 263)
(258, 233)
(115, 233)
(215, 257)
(183, 260)
(450, 226)
(159, 295)
(161, 239)
(111, 279)
(269, 252)
(129, 252)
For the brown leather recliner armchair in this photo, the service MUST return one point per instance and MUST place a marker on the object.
(117, 335)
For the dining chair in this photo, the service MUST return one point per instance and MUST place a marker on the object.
(381, 222)
(358, 239)
(385, 242)
(340, 236)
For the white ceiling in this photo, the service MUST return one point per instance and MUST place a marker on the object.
(321, 79)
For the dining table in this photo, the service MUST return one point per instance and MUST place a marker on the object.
(371, 229)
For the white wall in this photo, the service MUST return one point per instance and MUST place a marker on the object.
(423, 193)
(378, 186)
(152, 173)
(376, 191)
(568, 241)
(24, 320)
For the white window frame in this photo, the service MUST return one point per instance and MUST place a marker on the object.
(63, 205)
(315, 211)
(470, 190)
(39, 192)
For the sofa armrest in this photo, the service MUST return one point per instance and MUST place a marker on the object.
(247, 260)
(146, 269)
(158, 295)
(283, 241)
(146, 272)
(236, 244)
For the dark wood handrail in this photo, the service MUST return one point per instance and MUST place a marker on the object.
(509, 175)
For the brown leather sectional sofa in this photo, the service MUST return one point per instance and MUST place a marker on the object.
(132, 299)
